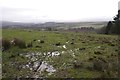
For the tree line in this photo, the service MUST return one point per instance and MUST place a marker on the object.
(113, 27)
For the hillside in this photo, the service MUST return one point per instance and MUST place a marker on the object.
(54, 24)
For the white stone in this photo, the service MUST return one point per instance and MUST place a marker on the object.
(99, 47)
(56, 53)
(38, 40)
(64, 47)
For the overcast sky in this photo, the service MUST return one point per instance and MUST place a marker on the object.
(58, 10)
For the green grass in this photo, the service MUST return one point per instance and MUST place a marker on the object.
(92, 43)
(0, 33)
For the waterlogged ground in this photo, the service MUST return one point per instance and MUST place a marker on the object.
(61, 55)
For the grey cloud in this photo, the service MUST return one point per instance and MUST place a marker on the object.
(119, 5)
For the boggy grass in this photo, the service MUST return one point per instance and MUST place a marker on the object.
(6, 44)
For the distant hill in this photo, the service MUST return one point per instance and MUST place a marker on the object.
(55, 24)
(15, 24)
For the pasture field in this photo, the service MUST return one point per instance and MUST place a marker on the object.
(56, 54)
(0, 32)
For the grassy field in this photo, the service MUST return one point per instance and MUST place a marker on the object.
(62, 55)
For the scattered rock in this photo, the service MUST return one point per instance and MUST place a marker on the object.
(36, 65)
(38, 40)
(67, 42)
(43, 66)
(56, 53)
(64, 47)
(73, 54)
